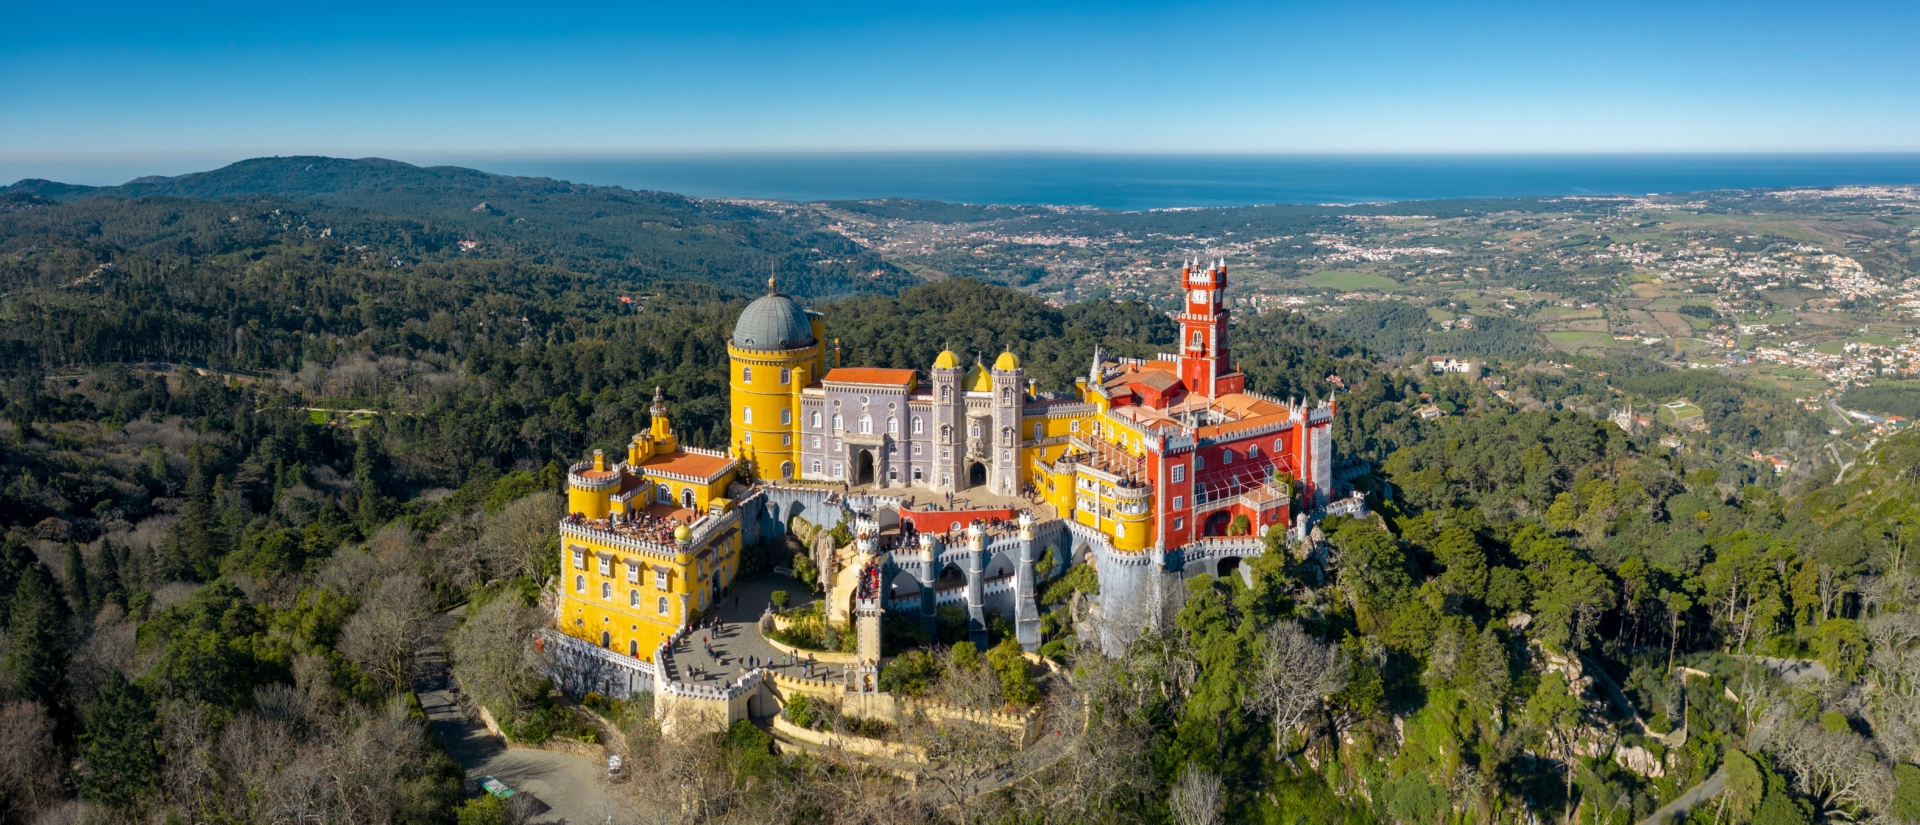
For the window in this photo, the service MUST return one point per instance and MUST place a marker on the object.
(663, 605)
(815, 467)
(916, 448)
(866, 424)
(786, 375)
(1199, 462)
(836, 445)
(1006, 435)
(916, 474)
(893, 426)
(579, 584)
(816, 442)
(686, 498)
(838, 423)
(659, 579)
(1279, 446)
(946, 479)
(1179, 473)
(1178, 524)
(786, 469)
(579, 557)
(1226, 456)
(919, 426)
(664, 494)
(786, 417)
(606, 590)
(1073, 426)
(946, 394)
(974, 430)
(746, 415)
(1039, 429)
(633, 572)
(606, 566)
(1179, 502)
(1253, 451)
(839, 470)
(1006, 395)
(946, 433)
(1006, 455)
(633, 645)
(1196, 339)
(746, 375)
(813, 420)
(633, 598)
(746, 438)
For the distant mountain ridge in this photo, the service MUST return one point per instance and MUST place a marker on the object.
(596, 229)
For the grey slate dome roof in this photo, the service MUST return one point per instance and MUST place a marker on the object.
(773, 322)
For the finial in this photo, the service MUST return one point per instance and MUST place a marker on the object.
(773, 285)
(657, 398)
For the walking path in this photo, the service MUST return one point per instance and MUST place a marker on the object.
(559, 787)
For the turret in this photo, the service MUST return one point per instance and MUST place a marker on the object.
(590, 487)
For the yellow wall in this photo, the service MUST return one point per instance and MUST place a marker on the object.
(584, 614)
(765, 396)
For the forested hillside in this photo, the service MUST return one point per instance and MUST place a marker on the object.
(246, 462)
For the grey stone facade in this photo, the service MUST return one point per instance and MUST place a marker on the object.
(935, 436)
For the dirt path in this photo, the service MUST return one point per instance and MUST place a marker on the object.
(559, 787)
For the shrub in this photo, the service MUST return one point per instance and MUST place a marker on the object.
(910, 674)
(799, 710)
(484, 810)
(780, 599)
(963, 656)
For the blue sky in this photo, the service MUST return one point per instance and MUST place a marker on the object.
(111, 82)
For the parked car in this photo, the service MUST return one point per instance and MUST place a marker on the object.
(496, 787)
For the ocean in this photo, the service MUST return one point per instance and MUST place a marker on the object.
(1136, 182)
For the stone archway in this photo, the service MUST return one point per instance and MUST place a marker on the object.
(1226, 566)
(976, 474)
(1217, 523)
(863, 467)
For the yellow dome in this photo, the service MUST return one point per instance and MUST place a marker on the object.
(683, 534)
(978, 379)
(1006, 361)
(946, 360)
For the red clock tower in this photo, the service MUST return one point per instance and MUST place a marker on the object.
(1204, 365)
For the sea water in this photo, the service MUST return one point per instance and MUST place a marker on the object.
(1134, 182)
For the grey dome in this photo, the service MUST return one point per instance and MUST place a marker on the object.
(773, 322)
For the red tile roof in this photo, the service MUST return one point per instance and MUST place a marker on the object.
(687, 464)
(870, 375)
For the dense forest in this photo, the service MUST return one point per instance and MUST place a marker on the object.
(247, 464)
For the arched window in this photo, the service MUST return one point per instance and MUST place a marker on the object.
(786, 375)
(838, 423)
(1226, 456)
(663, 605)
(633, 646)
(786, 417)
(1279, 446)
(1006, 435)
(1199, 462)
(606, 590)
(579, 584)
(1073, 426)
(786, 469)
(633, 598)
(815, 466)
(664, 494)
(974, 430)
(815, 419)
(1196, 339)
(946, 394)
(686, 498)
(746, 375)
(606, 639)
(893, 425)
(746, 415)
(946, 433)
(1039, 429)
(866, 424)
(1006, 395)
(1253, 451)
(918, 425)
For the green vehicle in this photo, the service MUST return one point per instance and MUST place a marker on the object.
(496, 787)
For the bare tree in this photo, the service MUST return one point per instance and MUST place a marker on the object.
(520, 539)
(1836, 768)
(29, 759)
(491, 654)
(1295, 673)
(389, 628)
(1196, 797)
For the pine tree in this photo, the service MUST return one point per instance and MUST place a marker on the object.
(37, 638)
(77, 587)
(121, 741)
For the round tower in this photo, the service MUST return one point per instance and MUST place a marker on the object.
(774, 352)
(590, 486)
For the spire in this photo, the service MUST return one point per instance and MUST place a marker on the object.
(659, 402)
